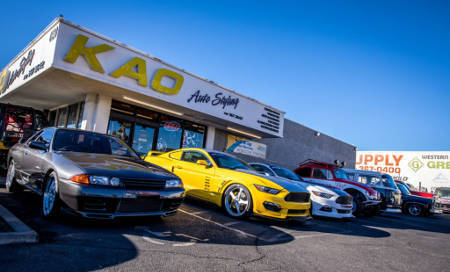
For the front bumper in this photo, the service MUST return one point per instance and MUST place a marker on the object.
(275, 206)
(329, 208)
(94, 201)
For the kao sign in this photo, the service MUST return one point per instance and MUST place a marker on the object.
(136, 68)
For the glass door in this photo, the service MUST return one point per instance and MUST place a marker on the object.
(143, 138)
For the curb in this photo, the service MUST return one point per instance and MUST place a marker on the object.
(22, 233)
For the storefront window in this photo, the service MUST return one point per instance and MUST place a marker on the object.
(52, 118)
(120, 128)
(192, 139)
(72, 116)
(80, 115)
(169, 137)
(143, 139)
(62, 117)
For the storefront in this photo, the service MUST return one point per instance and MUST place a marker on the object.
(84, 80)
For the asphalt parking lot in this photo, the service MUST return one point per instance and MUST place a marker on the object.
(202, 238)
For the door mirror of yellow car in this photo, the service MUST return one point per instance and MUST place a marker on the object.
(203, 162)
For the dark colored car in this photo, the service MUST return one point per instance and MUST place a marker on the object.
(416, 205)
(391, 197)
(417, 193)
(92, 174)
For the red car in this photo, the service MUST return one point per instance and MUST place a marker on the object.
(416, 193)
(365, 199)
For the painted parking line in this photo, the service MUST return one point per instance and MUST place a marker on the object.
(219, 224)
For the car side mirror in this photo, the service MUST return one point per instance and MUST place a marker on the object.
(38, 146)
(203, 162)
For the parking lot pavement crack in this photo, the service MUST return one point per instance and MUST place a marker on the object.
(261, 254)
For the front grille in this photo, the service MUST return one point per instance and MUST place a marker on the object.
(296, 211)
(98, 204)
(144, 184)
(141, 204)
(297, 197)
(344, 200)
(344, 211)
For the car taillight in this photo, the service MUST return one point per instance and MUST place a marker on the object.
(80, 179)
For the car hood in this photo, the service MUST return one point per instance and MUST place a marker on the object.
(289, 185)
(117, 166)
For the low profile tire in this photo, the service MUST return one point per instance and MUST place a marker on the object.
(357, 200)
(50, 200)
(414, 209)
(237, 201)
(10, 182)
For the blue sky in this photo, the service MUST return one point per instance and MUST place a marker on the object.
(375, 74)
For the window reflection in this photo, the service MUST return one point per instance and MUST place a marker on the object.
(120, 128)
(143, 138)
(192, 139)
(169, 136)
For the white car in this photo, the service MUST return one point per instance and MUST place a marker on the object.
(325, 201)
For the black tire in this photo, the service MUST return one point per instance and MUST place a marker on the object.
(414, 209)
(233, 210)
(10, 181)
(357, 201)
(48, 209)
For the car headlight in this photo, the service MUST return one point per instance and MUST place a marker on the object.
(322, 194)
(103, 180)
(173, 183)
(267, 189)
(96, 180)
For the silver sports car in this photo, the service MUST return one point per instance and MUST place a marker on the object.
(92, 174)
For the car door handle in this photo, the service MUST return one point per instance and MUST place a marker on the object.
(178, 167)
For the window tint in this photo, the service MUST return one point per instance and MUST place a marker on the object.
(46, 136)
(228, 162)
(193, 156)
(119, 148)
(175, 155)
(322, 173)
(262, 169)
(351, 176)
(285, 173)
(304, 172)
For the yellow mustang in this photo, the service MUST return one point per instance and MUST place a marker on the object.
(230, 183)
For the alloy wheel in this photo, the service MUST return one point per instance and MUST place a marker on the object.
(10, 175)
(49, 196)
(237, 201)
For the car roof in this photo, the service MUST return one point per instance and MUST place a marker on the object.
(372, 173)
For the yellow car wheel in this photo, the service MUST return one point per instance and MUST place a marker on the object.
(237, 201)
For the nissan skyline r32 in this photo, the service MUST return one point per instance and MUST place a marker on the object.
(91, 174)
(325, 201)
(230, 183)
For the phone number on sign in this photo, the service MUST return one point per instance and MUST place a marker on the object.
(381, 169)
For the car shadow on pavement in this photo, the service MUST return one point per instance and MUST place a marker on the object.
(315, 226)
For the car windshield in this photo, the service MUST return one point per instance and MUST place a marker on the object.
(403, 188)
(285, 173)
(229, 162)
(443, 192)
(340, 174)
(89, 142)
(388, 181)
